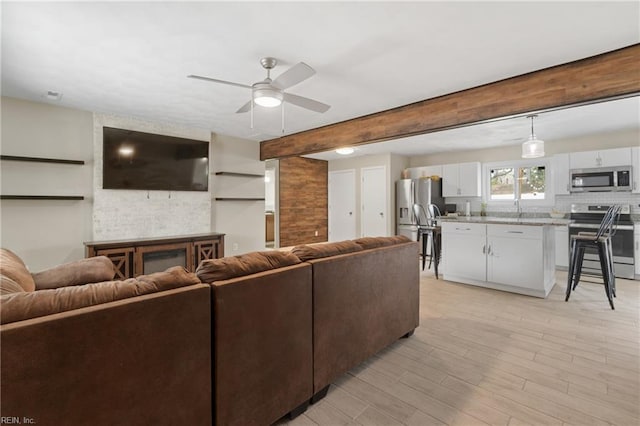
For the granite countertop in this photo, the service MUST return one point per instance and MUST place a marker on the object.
(534, 221)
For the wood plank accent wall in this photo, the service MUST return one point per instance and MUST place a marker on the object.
(611, 74)
(303, 201)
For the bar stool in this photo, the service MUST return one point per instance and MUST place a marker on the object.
(601, 241)
(428, 227)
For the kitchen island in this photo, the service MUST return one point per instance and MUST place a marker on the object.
(503, 253)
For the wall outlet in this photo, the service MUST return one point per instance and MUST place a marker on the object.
(316, 233)
(235, 247)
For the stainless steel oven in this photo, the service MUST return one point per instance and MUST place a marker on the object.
(587, 218)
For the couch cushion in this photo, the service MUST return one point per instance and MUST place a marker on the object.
(245, 264)
(85, 271)
(375, 242)
(14, 268)
(8, 286)
(26, 305)
(316, 251)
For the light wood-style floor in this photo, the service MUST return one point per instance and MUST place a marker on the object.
(483, 356)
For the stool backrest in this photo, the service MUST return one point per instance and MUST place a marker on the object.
(433, 212)
(610, 218)
(425, 218)
(420, 215)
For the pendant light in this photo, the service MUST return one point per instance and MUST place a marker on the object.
(534, 147)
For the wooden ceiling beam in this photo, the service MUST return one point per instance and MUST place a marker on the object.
(611, 74)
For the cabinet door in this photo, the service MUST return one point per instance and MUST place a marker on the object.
(450, 179)
(515, 261)
(561, 174)
(635, 162)
(469, 179)
(615, 157)
(562, 246)
(584, 160)
(463, 251)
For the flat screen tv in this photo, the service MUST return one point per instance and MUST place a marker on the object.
(137, 160)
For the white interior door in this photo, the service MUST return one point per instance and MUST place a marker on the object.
(374, 201)
(342, 205)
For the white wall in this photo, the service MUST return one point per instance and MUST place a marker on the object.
(129, 214)
(619, 139)
(243, 222)
(46, 233)
(608, 140)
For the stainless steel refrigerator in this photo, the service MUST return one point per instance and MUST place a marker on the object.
(423, 191)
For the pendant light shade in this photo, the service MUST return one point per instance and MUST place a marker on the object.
(533, 147)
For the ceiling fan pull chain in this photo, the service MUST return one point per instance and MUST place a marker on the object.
(252, 113)
(282, 105)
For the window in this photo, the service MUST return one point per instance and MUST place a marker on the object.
(531, 183)
(502, 184)
(524, 180)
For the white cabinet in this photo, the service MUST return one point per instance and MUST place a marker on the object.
(514, 255)
(461, 180)
(601, 158)
(562, 246)
(636, 238)
(561, 177)
(464, 250)
(635, 162)
(516, 258)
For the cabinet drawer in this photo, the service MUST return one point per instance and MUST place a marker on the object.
(464, 228)
(515, 231)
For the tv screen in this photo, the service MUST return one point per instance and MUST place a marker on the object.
(137, 160)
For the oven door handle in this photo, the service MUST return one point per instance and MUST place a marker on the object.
(590, 226)
(583, 225)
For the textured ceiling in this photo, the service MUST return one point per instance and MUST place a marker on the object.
(132, 58)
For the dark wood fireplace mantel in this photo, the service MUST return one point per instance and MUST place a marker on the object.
(128, 256)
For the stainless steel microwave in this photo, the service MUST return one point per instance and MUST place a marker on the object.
(601, 179)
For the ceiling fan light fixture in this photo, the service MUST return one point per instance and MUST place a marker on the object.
(267, 96)
(533, 147)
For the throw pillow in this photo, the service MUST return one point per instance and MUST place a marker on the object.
(368, 243)
(13, 268)
(316, 251)
(245, 264)
(8, 286)
(80, 272)
(23, 305)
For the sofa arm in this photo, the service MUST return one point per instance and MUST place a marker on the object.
(141, 360)
(90, 270)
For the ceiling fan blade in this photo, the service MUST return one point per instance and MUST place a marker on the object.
(214, 80)
(306, 103)
(244, 108)
(294, 75)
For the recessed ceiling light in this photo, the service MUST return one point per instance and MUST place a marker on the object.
(345, 151)
(53, 96)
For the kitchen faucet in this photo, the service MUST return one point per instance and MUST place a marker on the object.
(518, 207)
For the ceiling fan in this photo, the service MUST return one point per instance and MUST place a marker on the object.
(271, 93)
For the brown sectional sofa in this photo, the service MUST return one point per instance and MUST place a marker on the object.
(266, 336)
(109, 353)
